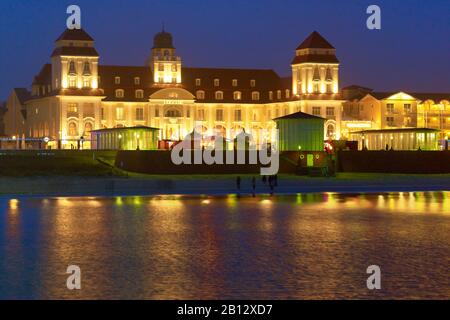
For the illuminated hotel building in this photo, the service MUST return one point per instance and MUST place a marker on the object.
(76, 94)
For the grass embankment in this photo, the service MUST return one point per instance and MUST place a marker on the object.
(57, 163)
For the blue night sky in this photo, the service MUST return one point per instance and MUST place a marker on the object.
(411, 52)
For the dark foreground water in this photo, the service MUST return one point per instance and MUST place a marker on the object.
(288, 247)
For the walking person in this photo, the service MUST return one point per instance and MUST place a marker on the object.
(238, 185)
(254, 186)
(271, 185)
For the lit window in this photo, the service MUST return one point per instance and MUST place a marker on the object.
(198, 82)
(237, 115)
(160, 67)
(279, 94)
(73, 131)
(72, 108)
(174, 68)
(72, 82)
(139, 114)
(390, 121)
(201, 115)
(119, 113)
(237, 95)
(137, 81)
(288, 94)
(390, 108)
(139, 94)
(119, 93)
(200, 95)
(86, 69)
(407, 108)
(87, 129)
(270, 95)
(219, 95)
(86, 83)
(216, 82)
(219, 115)
(117, 80)
(234, 82)
(252, 83)
(172, 113)
(72, 68)
(330, 112)
(316, 111)
(255, 95)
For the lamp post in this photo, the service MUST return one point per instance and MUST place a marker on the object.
(120, 141)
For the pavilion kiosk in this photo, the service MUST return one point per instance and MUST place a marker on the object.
(127, 138)
(302, 137)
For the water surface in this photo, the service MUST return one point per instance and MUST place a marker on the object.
(311, 246)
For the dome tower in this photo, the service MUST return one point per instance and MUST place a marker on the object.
(166, 66)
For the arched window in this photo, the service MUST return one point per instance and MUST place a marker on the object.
(72, 69)
(73, 131)
(219, 95)
(237, 95)
(86, 69)
(216, 82)
(255, 95)
(220, 131)
(331, 131)
(173, 113)
(87, 129)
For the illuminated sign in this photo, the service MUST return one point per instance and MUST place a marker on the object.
(359, 125)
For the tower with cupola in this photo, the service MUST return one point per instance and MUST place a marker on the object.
(315, 68)
(74, 61)
(165, 64)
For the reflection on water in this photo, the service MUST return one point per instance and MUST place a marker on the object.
(175, 247)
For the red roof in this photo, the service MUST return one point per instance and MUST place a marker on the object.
(75, 35)
(315, 41)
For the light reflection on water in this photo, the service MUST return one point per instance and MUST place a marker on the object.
(175, 247)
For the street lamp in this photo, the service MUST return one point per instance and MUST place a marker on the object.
(120, 141)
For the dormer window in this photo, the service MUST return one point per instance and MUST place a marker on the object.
(86, 69)
(117, 80)
(270, 95)
(216, 82)
(72, 69)
(255, 95)
(237, 95)
(198, 82)
(119, 93)
(219, 95)
(279, 94)
(137, 81)
(139, 94)
(200, 95)
(288, 93)
(252, 83)
(234, 83)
